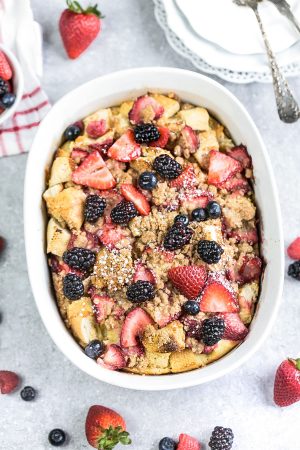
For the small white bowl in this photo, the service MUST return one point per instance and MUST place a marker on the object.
(17, 81)
(111, 90)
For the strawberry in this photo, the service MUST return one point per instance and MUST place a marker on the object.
(134, 326)
(112, 197)
(287, 383)
(221, 167)
(251, 269)
(217, 298)
(143, 273)
(188, 139)
(163, 139)
(102, 306)
(78, 154)
(111, 234)
(236, 184)
(293, 249)
(5, 69)
(2, 244)
(135, 196)
(189, 280)
(235, 330)
(195, 198)
(102, 146)
(187, 442)
(105, 428)
(93, 172)
(125, 148)
(8, 381)
(134, 351)
(96, 128)
(186, 180)
(241, 154)
(146, 109)
(79, 27)
(244, 235)
(113, 358)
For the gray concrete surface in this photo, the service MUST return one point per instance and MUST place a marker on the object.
(241, 400)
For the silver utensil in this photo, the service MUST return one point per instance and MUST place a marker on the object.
(287, 107)
(285, 9)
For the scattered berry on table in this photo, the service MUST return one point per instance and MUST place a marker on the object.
(213, 330)
(140, 291)
(209, 251)
(182, 218)
(28, 393)
(200, 214)
(191, 307)
(8, 381)
(7, 100)
(145, 133)
(293, 249)
(94, 349)
(187, 442)
(4, 87)
(147, 180)
(57, 437)
(73, 286)
(123, 212)
(72, 132)
(287, 383)
(214, 210)
(167, 443)
(294, 270)
(2, 244)
(178, 236)
(79, 258)
(5, 69)
(167, 167)
(94, 207)
(221, 439)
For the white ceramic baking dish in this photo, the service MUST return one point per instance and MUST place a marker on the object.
(111, 90)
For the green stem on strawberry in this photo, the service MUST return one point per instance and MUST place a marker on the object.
(75, 7)
(113, 436)
(296, 362)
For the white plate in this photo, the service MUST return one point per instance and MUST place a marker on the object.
(235, 28)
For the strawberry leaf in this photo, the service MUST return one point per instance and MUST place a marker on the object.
(111, 437)
(76, 8)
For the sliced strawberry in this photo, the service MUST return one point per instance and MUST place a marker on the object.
(241, 154)
(111, 234)
(186, 180)
(125, 148)
(143, 273)
(145, 109)
(236, 184)
(163, 319)
(93, 172)
(218, 298)
(133, 327)
(163, 139)
(5, 68)
(102, 306)
(103, 146)
(188, 139)
(112, 197)
(96, 128)
(78, 154)
(135, 196)
(189, 280)
(293, 249)
(244, 235)
(168, 255)
(195, 198)
(113, 358)
(134, 351)
(235, 330)
(221, 167)
(187, 442)
(251, 269)
(8, 381)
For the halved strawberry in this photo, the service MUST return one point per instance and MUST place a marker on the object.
(93, 172)
(187, 442)
(251, 269)
(188, 139)
(293, 249)
(134, 326)
(244, 235)
(113, 358)
(132, 194)
(236, 184)
(78, 154)
(145, 109)
(5, 68)
(163, 139)
(103, 146)
(221, 167)
(102, 306)
(195, 198)
(187, 179)
(96, 128)
(217, 298)
(162, 319)
(8, 381)
(235, 330)
(241, 154)
(143, 273)
(189, 280)
(125, 148)
(111, 234)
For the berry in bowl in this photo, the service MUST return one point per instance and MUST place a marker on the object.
(11, 84)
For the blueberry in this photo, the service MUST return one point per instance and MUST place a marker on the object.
(191, 307)
(182, 218)
(72, 132)
(28, 393)
(57, 437)
(147, 180)
(7, 100)
(167, 444)
(199, 214)
(94, 349)
(214, 210)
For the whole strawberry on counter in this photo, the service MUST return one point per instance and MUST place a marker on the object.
(79, 27)
(287, 383)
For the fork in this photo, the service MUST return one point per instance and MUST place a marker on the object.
(287, 106)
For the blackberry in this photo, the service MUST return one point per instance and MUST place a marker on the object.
(123, 212)
(214, 210)
(28, 393)
(212, 330)
(147, 180)
(57, 437)
(94, 208)
(140, 291)
(167, 167)
(79, 258)
(3, 86)
(221, 439)
(94, 349)
(294, 270)
(7, 100)
(145, 133)
(167, 443)
(209, 251)
(191, 307)
(178, 236)
(199, 214)
(182, 218)
(73, 286)
(72, 132)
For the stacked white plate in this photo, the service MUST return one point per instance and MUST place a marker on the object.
(224, 39)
